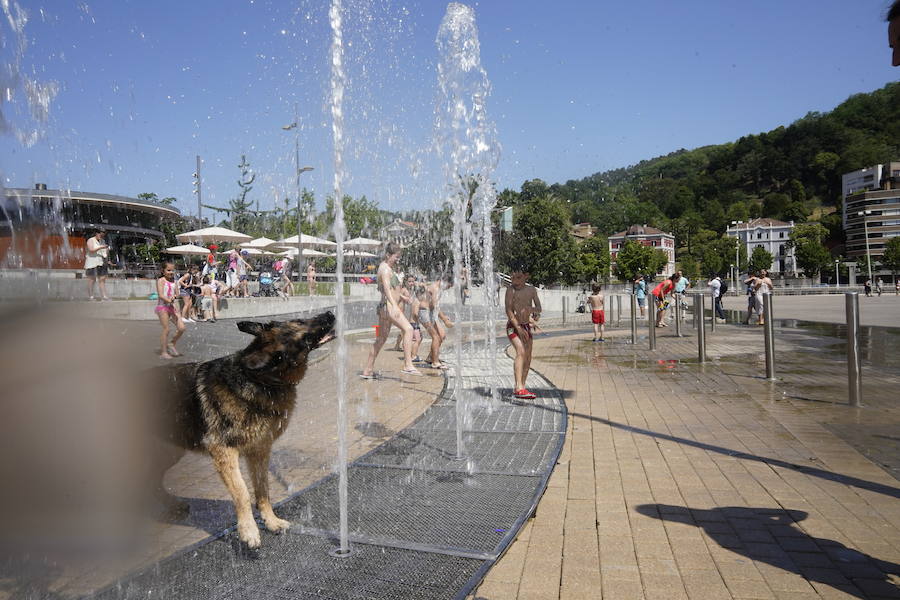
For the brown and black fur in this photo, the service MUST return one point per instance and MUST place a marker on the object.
(238, 405)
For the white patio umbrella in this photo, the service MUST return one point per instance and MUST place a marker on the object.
(361, 242)
(213, 234)
(260, 243)
(305, 241)
(187, 249)
(309, 252)
(359, 254)
(253, 252)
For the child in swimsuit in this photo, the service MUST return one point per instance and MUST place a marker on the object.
(166, 290)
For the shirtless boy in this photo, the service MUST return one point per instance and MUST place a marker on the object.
(522, 307)
(598, 317)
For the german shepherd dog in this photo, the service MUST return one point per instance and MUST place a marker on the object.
(237, 405)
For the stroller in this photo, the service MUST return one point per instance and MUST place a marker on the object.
(266, 285)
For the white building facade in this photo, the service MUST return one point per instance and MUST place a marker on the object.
(772, 236)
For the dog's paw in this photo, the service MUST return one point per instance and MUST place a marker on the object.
(249, 534)
(276, 525)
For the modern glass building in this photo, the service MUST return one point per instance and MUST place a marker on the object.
(47, 229)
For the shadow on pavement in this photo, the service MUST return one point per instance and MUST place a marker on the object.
(769, 535)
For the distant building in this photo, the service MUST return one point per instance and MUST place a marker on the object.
(871, 206)
(772, 236)
(648, 236)
(583, 231)
(47, 229)
(401, 232)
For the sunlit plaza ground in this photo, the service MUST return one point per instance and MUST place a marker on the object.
(676, 479)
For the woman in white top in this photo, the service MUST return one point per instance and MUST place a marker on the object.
(95, 268)
(762, 285)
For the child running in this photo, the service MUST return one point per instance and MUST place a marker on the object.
(598, 317)
(166, 290)
(522, 309)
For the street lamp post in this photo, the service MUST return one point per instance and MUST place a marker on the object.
(837, 274)
(737, 251)
(864, 214)
(298, 171)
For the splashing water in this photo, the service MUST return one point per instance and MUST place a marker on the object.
(338, 83)
(466, 140)
(21, 96)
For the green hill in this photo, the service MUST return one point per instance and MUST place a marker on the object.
(788, 173)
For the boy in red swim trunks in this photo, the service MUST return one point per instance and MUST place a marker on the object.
(598, 317)
(522, 306)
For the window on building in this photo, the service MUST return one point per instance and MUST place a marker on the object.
(781, 235)
(759, 237)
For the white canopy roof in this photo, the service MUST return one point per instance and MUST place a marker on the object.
(186, 249)
(213, 234)
(261, 243)
(361, 242)
(305, 240)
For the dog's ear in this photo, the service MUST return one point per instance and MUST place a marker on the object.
(254, 328)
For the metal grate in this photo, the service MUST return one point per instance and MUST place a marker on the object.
(443, 511)
(510, 453)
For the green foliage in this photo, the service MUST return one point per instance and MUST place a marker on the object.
(635, 259)
(891, 257)
(541, 240)
(594, 258)
(362, 217)
(792, 169)
(760, 259)
(689, 266)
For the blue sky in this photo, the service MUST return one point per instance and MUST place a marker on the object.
(578, 87)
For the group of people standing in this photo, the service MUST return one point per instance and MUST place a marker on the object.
(413, 306)
(673, 288)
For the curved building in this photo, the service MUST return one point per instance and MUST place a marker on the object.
(47, 229)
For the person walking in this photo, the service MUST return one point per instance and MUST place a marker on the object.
(879, 286)
(96, 263)
(389, 313)
(763, 286)
(598, 315)
(167, 292)
(867, 287)
(715, 287)
(523, 309)
(640, 293)
(750, 282)
(311, 277)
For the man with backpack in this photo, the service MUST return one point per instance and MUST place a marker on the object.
(718, 287)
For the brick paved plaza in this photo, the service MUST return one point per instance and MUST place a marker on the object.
(676, 479)
(685, 481)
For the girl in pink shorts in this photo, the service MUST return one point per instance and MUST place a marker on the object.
(167, 291)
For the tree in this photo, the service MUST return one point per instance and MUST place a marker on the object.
(636, 259)
(594, 257)
(891, 257)
(760, 259)
(540, 239)
(362, 217)
(809, 251)
(689, 266)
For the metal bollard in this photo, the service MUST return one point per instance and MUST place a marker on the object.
(634, 310)
(712, 322)
(701, 327)
(678, 310)
(853, 363)
(653, 310)
(769, 331)
(619, 309)
(611, 312)
(565, 302)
